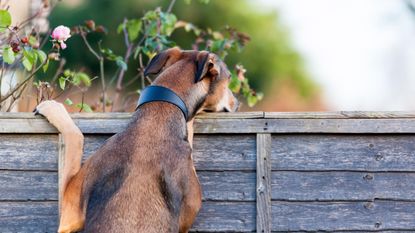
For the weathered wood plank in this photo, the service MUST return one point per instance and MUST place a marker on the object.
(328, 186)
(43, 217)
(270, 115)
(226, 217)
(25, 217)
(263, 187)
(28, 185)
(339, 115)
(227, 186)
(210, 152)
(339, 125)
(124, 115)
(27, 151)
(224, 152)
(38, 186)
(226, 125)
(344, 152)
(347, 216)
(40, 152)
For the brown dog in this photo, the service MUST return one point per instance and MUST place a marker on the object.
(143, 178)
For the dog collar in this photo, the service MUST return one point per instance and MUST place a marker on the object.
(159, 93)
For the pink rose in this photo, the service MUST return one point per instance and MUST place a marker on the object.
(61, 34)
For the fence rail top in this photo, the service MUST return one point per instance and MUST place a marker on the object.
(241, 115)
(240, 122)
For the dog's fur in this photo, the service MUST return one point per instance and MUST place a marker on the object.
(143, 178)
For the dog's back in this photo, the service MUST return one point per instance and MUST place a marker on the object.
(143, 191)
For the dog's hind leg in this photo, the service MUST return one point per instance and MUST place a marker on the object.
(71, 215)
(192, 201)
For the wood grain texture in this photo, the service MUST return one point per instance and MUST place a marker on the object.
(217, 152)
(226, 217)
(28, 185)
(25, 217)
(329, 186)
(263, 183)
(279, 115)
(359, 122)
(227, 186)
(343, 152)
(347, 216)
(28, 152)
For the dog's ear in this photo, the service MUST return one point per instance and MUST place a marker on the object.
(163, 60)
(206, 66)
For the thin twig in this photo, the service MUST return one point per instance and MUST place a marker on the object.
(171, 6)
(32, 74)
(59, 70)
(89, 46)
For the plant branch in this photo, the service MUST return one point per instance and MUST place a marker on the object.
(172, 2)
(32, 74)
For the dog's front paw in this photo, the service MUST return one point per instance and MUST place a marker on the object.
(49, 108)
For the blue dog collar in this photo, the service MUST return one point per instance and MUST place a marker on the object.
(159, 93)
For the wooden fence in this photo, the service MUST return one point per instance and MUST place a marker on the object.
(263, 172)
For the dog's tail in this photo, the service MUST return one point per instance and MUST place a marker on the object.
(73, 140)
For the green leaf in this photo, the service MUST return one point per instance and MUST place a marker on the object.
(235, 84)
(31, 55)
(46, 66)
(41, 55)
(120, 28)
(62, 82)
(32, 40)
(68, 102)
(133, 28)
(5, 19)
(8, 55)
(27, 64)
(84, 78)
(251, 100)
(84, 107)
(120, 63)
(168, 23)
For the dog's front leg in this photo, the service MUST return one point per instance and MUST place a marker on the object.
(69, 192)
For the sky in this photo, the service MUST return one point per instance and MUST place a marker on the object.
(360, 52)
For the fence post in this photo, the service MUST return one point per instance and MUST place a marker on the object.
(61, 159)
(263, 188)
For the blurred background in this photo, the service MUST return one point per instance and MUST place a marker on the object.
(319, 55)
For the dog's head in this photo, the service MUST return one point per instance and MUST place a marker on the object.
(200, 78)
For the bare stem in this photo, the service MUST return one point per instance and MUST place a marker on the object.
(172, 2)
(89, 46)
(104, 88)
(32, 74)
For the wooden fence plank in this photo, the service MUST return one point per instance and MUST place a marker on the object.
(339, 115)
(328, 186)
(344, 152)
(347, 216)
(227, 186)
(28, 185)
(38, 186)
(28, 152)
(226, 217)
(226, 125)
(263, 187)
(28, 217)
(40, 152)
(214, 152)
(246, 115)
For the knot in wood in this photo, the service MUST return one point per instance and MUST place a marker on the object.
(368, 177)
(261, 188)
